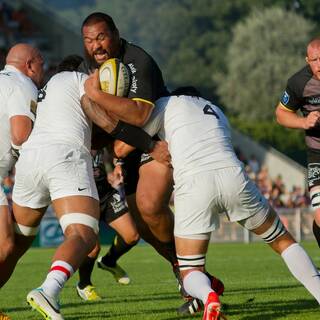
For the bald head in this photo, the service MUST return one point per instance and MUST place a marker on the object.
(28, 60)
(313, 45)
(313, 57)
(21, 53)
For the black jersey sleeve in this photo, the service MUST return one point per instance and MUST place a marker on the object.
(292, 98)
(143, 80)
(147, 83)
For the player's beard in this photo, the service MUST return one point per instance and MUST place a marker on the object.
(92, 63)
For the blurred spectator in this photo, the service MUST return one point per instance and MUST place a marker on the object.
(254, 164)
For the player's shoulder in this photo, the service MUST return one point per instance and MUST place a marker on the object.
(134, 53)
(299, 79)
(67, 76)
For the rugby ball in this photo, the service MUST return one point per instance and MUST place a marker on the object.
(114, 77)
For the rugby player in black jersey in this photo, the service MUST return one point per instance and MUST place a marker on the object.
(152, 191)
(114, 212)
(303, 93)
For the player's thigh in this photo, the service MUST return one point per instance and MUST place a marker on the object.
(26, 225)
(76, 204)
(155, 184)
(240, 197)
(196, 200)
(27, 216)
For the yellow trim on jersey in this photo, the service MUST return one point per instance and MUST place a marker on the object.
(143, 100)
(287, 109)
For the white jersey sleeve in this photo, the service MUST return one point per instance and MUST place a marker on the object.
(81, 80)
(20, 103)
(156, 121)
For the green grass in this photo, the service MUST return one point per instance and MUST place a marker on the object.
(258, 286)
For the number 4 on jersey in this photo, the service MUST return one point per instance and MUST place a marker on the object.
(209, 110)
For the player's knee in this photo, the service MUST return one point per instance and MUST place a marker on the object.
(273, 231)
(82, 226)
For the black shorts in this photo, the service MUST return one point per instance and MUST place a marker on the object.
(313, 157)
(112, 204)
(131, 166)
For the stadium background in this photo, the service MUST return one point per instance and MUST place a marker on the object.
(208, 30)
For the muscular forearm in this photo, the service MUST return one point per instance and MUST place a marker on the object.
(290, 119)
(121, 149)
(127, 110)
(98, 115)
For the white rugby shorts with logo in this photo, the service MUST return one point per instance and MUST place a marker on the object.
(53, 172)
(199, 199)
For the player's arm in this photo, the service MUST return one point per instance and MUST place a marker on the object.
(98, 115)
(20, 117)
(159, 151)
(290, 119)
(118, 129)
(21, 127)
(135, 112)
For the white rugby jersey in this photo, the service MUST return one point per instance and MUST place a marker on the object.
(60, 118)
(197, 132)
(18, 96)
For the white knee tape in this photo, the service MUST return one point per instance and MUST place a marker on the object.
(315, 198)
(79, 218)
(275, 231)
(191, 261)
(25, 230)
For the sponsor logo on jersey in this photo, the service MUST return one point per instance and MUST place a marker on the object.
(132, 68)
(285, 98)
(134, 80)
(134, 84)
(116, 203)
(313, 100)
(313, 174)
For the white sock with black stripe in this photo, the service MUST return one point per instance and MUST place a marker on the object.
(302, 268)
(198, 285)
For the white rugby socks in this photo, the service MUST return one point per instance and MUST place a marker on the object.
(59, 273)
(198, 285)
(302, 268)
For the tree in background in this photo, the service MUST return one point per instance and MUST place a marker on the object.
(267, 47)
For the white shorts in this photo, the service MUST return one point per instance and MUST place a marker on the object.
(52, 173)
(199, 199)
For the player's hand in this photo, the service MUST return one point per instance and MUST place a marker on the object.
(161, 153)
(92, 85)
(115, 177)
(312, 120)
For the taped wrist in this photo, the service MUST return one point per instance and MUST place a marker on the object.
(15, 151)
(133, 136)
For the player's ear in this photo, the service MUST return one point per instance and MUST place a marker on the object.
(307, 60)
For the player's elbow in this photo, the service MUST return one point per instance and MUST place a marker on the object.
(143, 112)
(279, 115)
(19, 137)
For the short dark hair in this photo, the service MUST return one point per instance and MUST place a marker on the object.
(98, 17)
(69, 63)
(186, 91)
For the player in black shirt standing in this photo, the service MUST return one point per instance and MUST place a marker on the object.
(303, 93)
(151, 192)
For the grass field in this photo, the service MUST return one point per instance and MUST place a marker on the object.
(258, 286)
